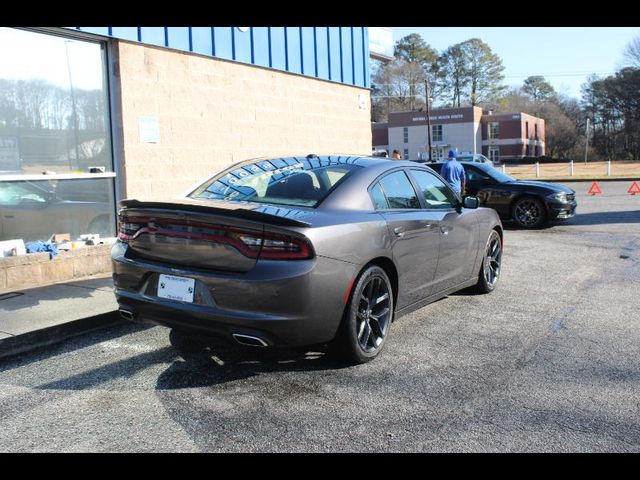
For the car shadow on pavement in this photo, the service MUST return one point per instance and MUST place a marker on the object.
(599, 218)
(591, 218)
(223, 362)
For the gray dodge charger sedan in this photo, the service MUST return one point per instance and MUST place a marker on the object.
(303, 251)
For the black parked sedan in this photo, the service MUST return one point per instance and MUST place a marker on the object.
(530, 204)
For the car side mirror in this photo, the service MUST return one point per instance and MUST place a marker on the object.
(470, 202)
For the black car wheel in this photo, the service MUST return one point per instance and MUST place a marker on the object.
(528, 212)
(491, 264)
(367, 318)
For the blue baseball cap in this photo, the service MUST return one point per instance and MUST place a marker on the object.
(453, 154)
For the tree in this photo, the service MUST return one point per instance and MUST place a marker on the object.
(513, 100)
(397, 87)
(420, 58)
(613, 106)
(632, 52)
(538, 88)
(452, 74)
(413, 49)
(484, 71)
(561, 131)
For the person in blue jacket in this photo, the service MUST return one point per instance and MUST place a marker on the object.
(453, 172)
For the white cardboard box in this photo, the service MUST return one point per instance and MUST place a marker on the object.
(7, 246)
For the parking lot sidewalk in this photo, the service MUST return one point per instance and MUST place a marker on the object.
(41, 316)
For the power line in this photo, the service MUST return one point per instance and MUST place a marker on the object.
(523, 75)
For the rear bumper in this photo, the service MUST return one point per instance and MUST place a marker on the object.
(284, 303)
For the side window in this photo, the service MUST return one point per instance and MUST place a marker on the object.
(436, 193)
(472, 174)
(379, 200)
(399, 191)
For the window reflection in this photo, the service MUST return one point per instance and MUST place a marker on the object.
(35, 210)
(53, 104)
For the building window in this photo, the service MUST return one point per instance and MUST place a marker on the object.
(405, 134)
(406, 153)
(494, 130)
(526, 129)
(54, 118)
(535, 130)
(494, 154)
(436, 133)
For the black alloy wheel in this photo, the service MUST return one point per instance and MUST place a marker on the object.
(368, 317)
(529, 212)
(491, 264)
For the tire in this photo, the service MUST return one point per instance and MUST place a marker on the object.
(529, 212)
(491, 264)
(367, 318)
(185, 341)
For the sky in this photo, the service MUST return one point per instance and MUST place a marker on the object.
(565, 56)
(54, 58)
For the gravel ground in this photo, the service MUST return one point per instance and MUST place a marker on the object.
(549, 362)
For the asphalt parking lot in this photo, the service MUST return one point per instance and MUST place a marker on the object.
(549, 362)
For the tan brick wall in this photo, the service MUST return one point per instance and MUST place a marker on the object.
(36, 269)
(213, 113)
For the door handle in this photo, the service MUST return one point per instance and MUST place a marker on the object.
(426, 224)
(399, 231)
(445, 230)
(9, 216)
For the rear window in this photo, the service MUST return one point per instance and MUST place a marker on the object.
(301, 182)
(399, 191)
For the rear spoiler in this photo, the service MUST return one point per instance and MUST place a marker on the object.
(274, 216)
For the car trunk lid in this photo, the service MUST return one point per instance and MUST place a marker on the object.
(228, 236)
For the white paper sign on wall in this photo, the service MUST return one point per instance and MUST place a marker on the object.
(362, 101)
(149, 129)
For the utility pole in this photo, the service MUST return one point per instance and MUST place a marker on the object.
(73, 110)
(586, 144)
(426, 93)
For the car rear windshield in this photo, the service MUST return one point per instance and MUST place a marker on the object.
(302, 182)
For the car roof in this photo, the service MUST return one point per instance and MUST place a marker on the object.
(335, 159)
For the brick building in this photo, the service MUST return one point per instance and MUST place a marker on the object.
(91, 115)
(501, 137)
(152, 110)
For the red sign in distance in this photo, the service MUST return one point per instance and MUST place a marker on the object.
(595, 189)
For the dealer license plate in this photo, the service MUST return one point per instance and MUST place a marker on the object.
(176, 288)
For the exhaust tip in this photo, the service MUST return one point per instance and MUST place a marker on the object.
(126, 314)
(249, 340)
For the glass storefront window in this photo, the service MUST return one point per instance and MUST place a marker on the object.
(53, 104)
(35, 210)
(54, 118)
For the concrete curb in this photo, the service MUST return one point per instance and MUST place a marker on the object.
(47, 336)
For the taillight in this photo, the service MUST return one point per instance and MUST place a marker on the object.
(284, 247)
(251, 243)
(273, 246)
(127, 228)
